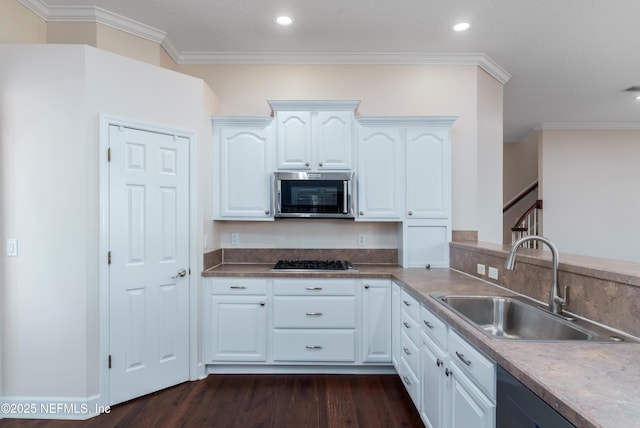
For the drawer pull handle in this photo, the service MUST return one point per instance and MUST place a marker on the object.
(448, 372)
(314, 288)
(463, 359)
(406, 380)
(439, 362)
(406, 324)
(314, 347)
(406, 351)
(407, 303)
(427, 323)
(314, 314)
(238, 287)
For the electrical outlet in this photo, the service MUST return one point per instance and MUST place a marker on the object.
(480, 269)
(493, 273)
(362, 239)
(235, 239)
(12, 247)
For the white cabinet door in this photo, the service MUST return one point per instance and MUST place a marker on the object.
(314, 135)
(236, 328)
(435, 393)
(333, 140)
(380, 173)
(244, 163)
(469, 406)
(294, 140)
(428, 173)
(425, 242)
(376, 321)
(396, 317)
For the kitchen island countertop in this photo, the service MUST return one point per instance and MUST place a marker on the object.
(591, 384)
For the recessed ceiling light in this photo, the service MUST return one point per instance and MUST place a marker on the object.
(461, 26)
(284, 20)
(638, 98)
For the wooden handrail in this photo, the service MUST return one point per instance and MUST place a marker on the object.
(530, 188)
(536, 206)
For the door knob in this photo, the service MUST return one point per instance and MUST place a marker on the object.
(181, 273)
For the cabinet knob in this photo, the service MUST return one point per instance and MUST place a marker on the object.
(410, 213)
(366, 286)
(448, 372)
(361, 212)
(266, 212)
(262, 303)
(306, 164)
(438, 362)
(320, 163)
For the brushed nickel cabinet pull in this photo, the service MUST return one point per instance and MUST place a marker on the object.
(463, 359)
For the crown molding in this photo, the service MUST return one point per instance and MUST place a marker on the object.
(587, 126)
(102, 16)
(349, 58)
(438, 121)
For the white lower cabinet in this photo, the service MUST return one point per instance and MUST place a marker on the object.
(314, 320)
(376, 321)
(435, 388)
(236, 321)
(458, 382)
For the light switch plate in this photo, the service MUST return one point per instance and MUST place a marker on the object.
(235, 238)
(12, 247)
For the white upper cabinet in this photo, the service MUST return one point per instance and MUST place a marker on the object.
(428, 173)
(244, 168)
(380, 173)
(314, 135)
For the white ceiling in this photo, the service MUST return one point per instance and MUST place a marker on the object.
(569, 60)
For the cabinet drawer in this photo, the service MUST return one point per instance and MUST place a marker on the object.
(301, 287)
(314, 312)
(410, 305)
(434, 327)
(410, 327)
(410, 381)
(238, 286)
(314, 345)
(478, 367)
(410, 353)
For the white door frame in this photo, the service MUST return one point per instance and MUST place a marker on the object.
(195, 259)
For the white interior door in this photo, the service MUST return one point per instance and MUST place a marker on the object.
(149, 271)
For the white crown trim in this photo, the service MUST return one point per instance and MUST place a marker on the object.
(102, 16)
(406, 58)
(587, 126)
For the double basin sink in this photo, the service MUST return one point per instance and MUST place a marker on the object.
(518, 318)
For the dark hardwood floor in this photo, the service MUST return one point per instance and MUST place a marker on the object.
(281, 401)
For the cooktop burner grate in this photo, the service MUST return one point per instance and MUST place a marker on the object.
(313, 265)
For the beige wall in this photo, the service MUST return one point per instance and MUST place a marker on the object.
(19, 25)
(520, 165)
(50, 100)
(489, 159)
(589, 191)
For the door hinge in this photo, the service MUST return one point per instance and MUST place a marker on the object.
(109, 257)
(109, 154)
(109, 360)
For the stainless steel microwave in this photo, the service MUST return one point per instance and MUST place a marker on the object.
(314, 194)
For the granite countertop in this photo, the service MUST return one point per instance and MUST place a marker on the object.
(590, 384)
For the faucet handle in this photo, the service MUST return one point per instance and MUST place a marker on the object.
(564, 299)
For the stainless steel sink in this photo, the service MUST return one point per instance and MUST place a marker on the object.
(519, 318)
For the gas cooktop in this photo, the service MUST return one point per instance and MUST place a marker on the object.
(314, 265)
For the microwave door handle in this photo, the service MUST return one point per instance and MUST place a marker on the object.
(345, 197)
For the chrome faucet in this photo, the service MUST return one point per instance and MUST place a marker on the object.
(556, 302)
